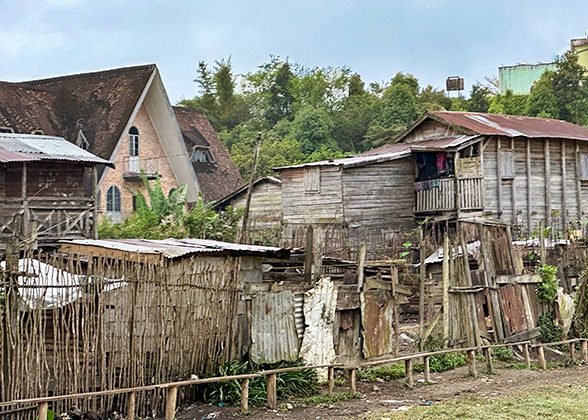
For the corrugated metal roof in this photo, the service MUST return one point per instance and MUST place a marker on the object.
(176, 248)
(30, 148)
(513, 125)
(353, 161)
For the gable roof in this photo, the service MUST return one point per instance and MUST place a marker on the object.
(219, 178)
(99, 104)
(505, 125)
(33, 148)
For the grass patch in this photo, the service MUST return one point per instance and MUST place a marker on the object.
(546, 402)
(335, 398)
(387, 373)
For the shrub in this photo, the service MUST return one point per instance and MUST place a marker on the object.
(547, 288)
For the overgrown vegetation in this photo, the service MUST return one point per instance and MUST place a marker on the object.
(550, 331)
(308, 114)
(547, 288)
(335, 398)
(300, 383)
(166, 217)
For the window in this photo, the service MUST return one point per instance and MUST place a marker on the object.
(134, 141)
(113, 199)
(312, 179)
(507, 164)
(583, 166)
(201, 154)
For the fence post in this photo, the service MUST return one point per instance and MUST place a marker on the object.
(488, 358)
(272, 402)
(427, 369)
(472, 363)
(527, 356)
(131, 406)
(245, 395)
(42, 410)
(331, 380)
(408, 372)
(585, 350)
(170, 402)
(352, 380)
(573, 351)
(541, 357)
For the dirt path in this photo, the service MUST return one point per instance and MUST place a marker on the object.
(392, 395)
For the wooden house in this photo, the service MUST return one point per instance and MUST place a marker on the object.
(44, 195)
(265, 211)
(446, 166)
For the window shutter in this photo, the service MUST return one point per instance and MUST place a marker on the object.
(583, 166)
(312, 179)
(507, 164)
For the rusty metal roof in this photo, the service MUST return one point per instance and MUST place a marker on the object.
(178, 248)
(32, 148)
(512, 125)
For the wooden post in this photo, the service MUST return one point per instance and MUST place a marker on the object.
(585, 350)
(245, 395)
(427, 369)
(131, 406)
(331, 374)
(360, 267)
(26, 217)
(541, 357)
(543, 254)
(573, 351)
(499, 176)
(446, 287)
(394, 275)
(94, 230)
(529, 188)
(475, 325)
(547, 182)
(488, 358)
(308, 254)
(578, 184)
(272, 398)
(564, 208)
(243, 234)
(352, 380)
(472, 363)
(170, 403)
(422, 284)
(408, 372)
(526, 354)
(42, 409)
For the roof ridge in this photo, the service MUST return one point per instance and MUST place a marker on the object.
(153, 66)
(499, 115)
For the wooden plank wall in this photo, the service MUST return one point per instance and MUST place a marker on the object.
(429, 129)
(554, 186)
(46, 179)
(266, 205)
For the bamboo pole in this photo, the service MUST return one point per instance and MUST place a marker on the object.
(541, 357)
(170, 403)
(331, 374)
(488, 359)
(352, 380)
(245, 395)
(42, 410)
(272, 402)
(131, 406)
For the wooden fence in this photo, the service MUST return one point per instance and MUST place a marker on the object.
(171, 388)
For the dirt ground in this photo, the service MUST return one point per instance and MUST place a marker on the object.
(395, 395)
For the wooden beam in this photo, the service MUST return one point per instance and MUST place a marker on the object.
(360, 267)
(94, 231)
(42, 410)
(529, 188)
(564, 207)
(526, 354)
(513, 189)
(427, 369)
(473, 307)
(584, 349)
(488, 359)
(422, 269)
(394, 275)
(170, 403)
(578, 185)
(331, 376)
(408, 372)
(547, 157)
(272, 396)
(131, 406)
(308, 254)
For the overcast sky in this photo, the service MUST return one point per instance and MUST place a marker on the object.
(430, 39)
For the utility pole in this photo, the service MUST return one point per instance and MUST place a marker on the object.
(243, 234)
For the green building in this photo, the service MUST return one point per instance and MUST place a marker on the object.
(580, 47)
(520, 78)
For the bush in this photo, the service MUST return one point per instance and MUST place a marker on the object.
(300, 383)
(547, 289)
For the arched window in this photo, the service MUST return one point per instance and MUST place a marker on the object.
(113, 199)
(134, 141)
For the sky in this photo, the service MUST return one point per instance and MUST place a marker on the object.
(429, 39)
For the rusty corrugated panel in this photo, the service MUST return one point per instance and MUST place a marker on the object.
(513, 125)
(512, 309)
(273, 328)
(377, 311)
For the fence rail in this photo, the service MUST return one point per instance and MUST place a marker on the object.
(271, 377)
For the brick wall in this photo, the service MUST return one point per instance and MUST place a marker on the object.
(149, 148)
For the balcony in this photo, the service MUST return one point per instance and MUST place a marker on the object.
(449, 195)
(133, 165)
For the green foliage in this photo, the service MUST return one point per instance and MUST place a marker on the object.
(503, 354)
(547, 288)
(508, 103)
(335, 398)
(479, 99)
(300, 383)
(387, 373)
(550, 332)
(205, 223)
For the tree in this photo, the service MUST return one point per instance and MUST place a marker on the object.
(542, 101)
(398, 105)
(508, 103)
(430, 99)
(478, 101)
(280, 98)
(312, 128)
(355, 86)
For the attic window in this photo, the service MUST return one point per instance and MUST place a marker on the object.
(312, 179)
(6, 130)
(133, 141)
(201, 154)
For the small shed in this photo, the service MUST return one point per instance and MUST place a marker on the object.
(265, 212)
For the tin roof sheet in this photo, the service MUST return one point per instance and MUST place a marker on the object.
(513, 125)
(177, 248)
(30, 148)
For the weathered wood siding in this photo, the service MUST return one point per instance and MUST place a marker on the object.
(552, 183)
(265, 211)
(47, 179)
(429, 129)
(380, 196)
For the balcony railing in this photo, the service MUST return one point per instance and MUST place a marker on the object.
(133, 165)
(439, 195)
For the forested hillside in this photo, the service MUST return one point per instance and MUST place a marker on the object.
(308, 114)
